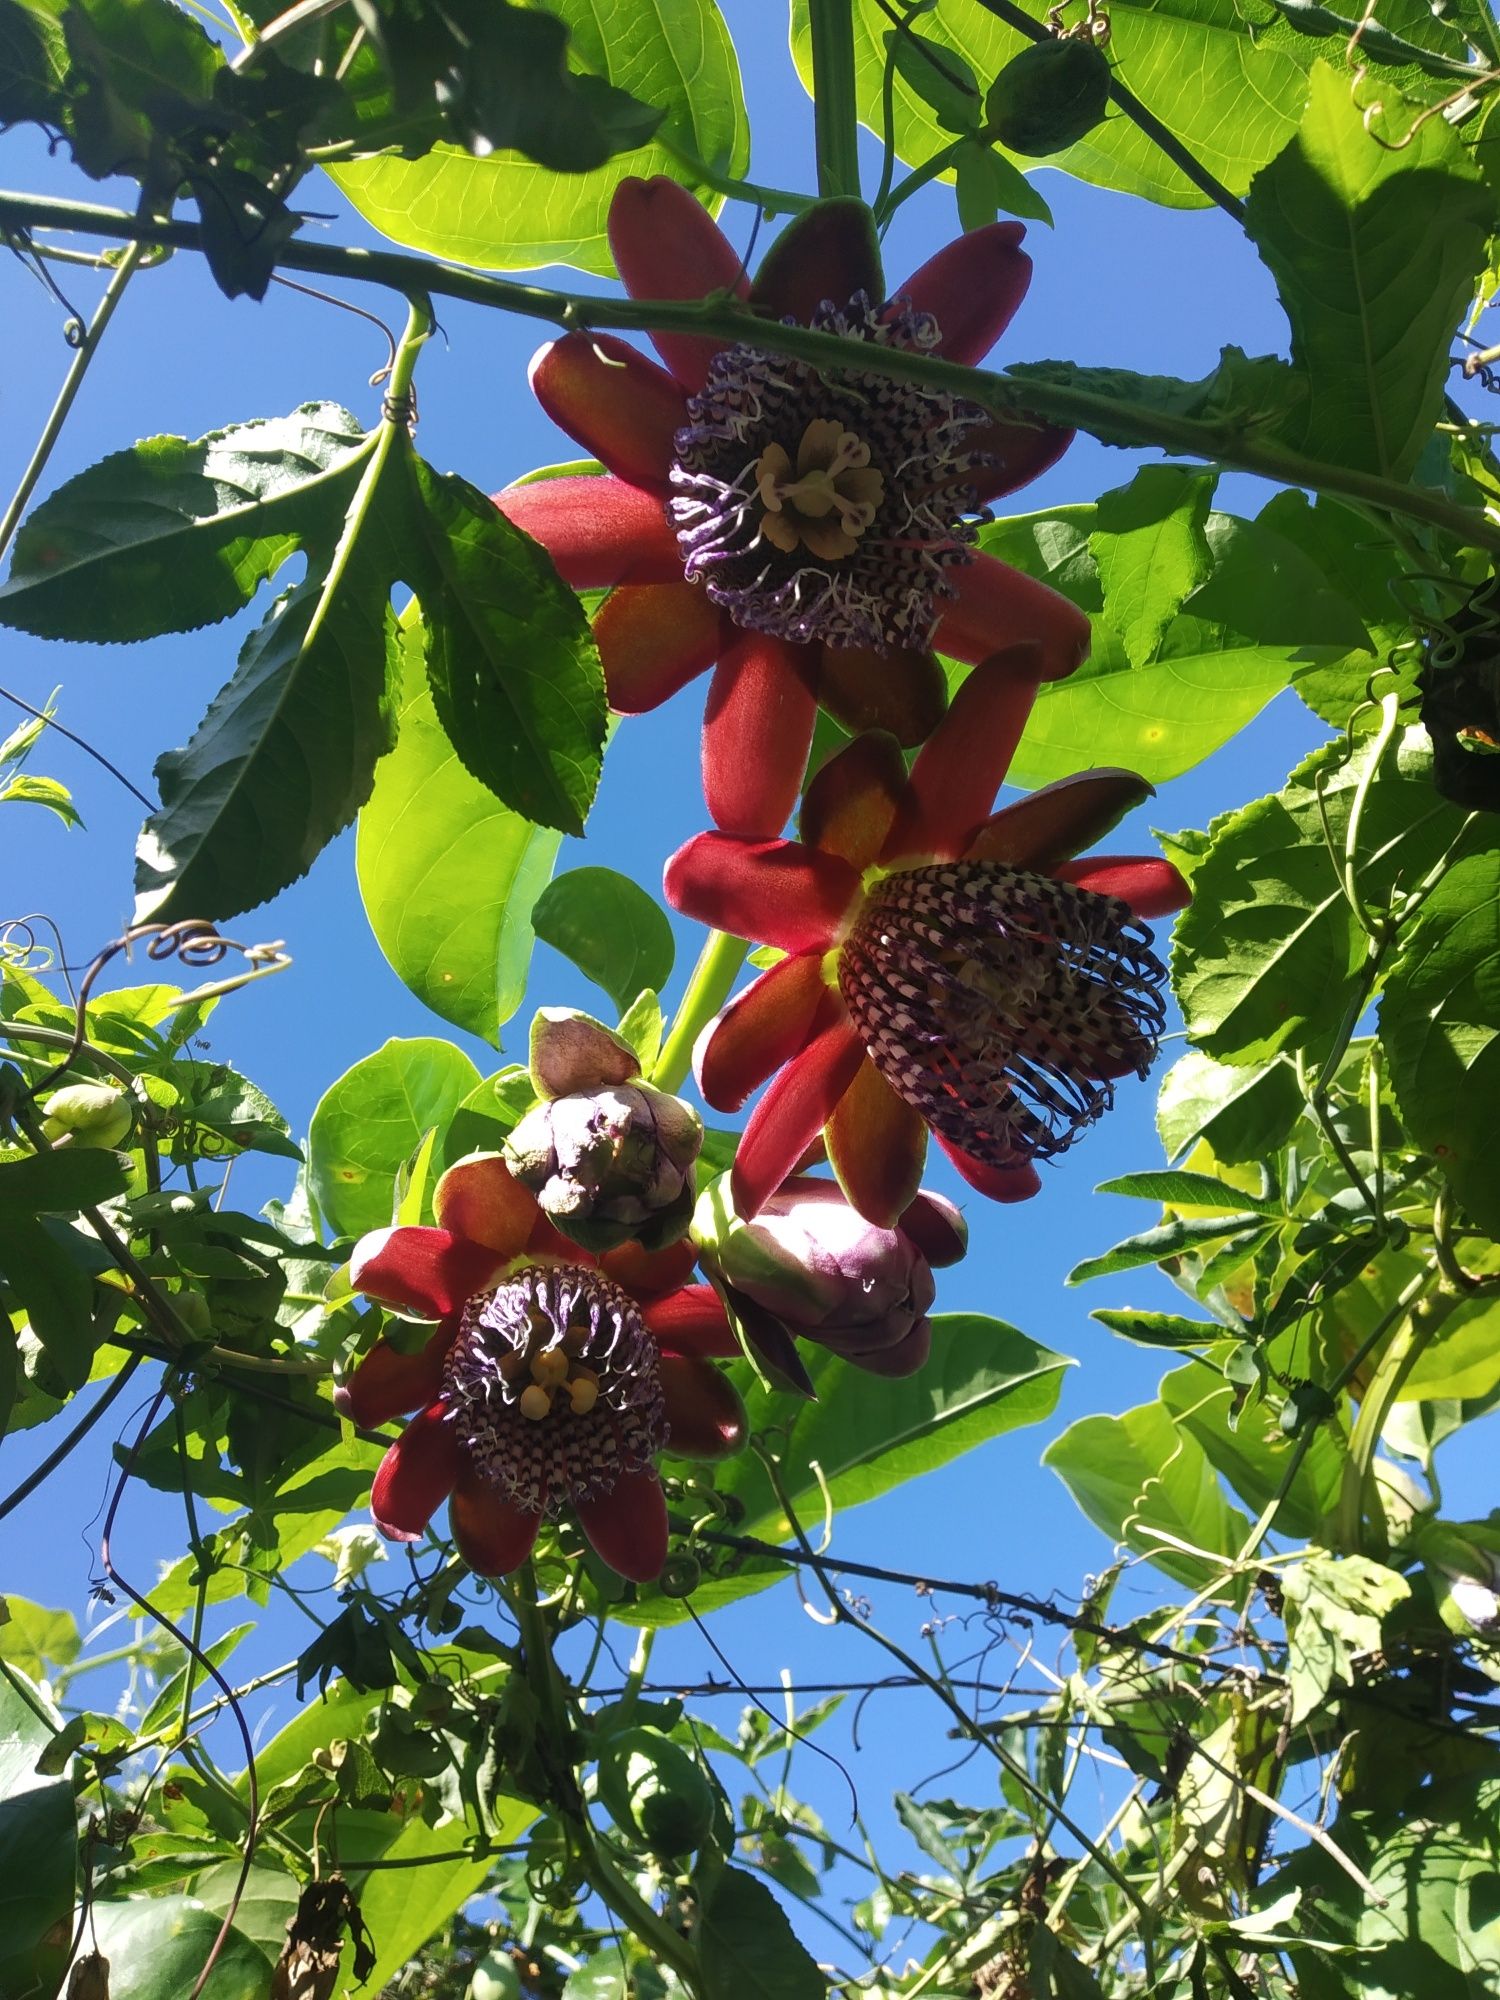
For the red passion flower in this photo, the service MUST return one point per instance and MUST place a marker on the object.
(948, 968)
(808, 532)
(553, 1378)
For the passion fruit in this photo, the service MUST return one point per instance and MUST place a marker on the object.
(1048, 97)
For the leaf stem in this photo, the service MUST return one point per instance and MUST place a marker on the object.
(708, 987)
(1139, 115)
(1227, 442)
(774, 201)
(57, 416)
(835, 113)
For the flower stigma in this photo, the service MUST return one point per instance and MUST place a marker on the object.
(554, 1386)
(821, 506)
(1001, 1004)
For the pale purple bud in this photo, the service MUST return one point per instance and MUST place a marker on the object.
(828, 1275)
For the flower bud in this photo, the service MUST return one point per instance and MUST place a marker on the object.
(609, 1158)
(813, 1262)
(95, 1114)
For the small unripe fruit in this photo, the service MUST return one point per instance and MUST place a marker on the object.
(1048, 97)
(654, 1789)
(94, 1114)
(495, 1978)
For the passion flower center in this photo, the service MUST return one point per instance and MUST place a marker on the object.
(1002, 1004)
(828, 506)
(554, 1386)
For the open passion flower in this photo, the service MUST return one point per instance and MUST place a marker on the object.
(949, 969)
(809, 532)
(551, 1381)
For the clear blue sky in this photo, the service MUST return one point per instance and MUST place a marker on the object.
(1117, 283)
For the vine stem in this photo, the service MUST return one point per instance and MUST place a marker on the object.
(67, 395)
(709, 986)
(546, 1681)
(1224, 442)
(835, 112)
(1399, 1358)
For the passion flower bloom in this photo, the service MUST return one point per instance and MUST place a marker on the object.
(807, 531)
(948, 968)
(552, 1379)
(810, 1265)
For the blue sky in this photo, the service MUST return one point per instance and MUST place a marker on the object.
(1117, 282)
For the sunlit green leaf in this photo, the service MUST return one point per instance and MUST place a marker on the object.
(610, 928)
(503, 213)
(372, 1119)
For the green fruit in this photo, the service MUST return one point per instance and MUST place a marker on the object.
(95, 1114)
(655, 1790)
(495, 1978)
(1048, 97)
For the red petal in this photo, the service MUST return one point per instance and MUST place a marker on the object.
(480, 1198)
(705, 1416)
(827, 252)
(1050, 825)
(937, 1229)
(795, 1109)
(620, 407)
(691, 1321)
(388, 1383)
(416, 1476)
(1015, 1183)
(598, 530)
(972, 288)
(961, 766)
(653, 638)
(644, 1273)
(876, 1145)
(997, 606)
(1152, 887)
(1021, 451)
(494, 1536)
(667, 246)
(902, 691)
(628, 1526)
(424, 1271)
(757, 731)
(775, 891)
(853, 801)
(759, 1031)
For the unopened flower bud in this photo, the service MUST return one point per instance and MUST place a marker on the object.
(93, 1114)
(813, 1262)
(609, 1158)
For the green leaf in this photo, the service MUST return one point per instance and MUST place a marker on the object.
(1374, 251)
(988, 183)
(610, 928)
(1431, 1926)
(1263, 958)
(37, 1639)
(1440, 1028)
(158, 1945)
(1260, 612)
(62, 1182)
(1158, 1329)
(747, 1950)
(38, 1841)
(54, 1289)
(283, 759)
(33, 61)
(504, 213)
(29, 788)
(1253, 1453)
(1187, 1190)
(172, 535)
(1168, 1239)
(372, 1119)
(1334, 1609)
(448, 874)
(1140, 1472)
(514, 671)
(1150, 550)
(942, 80)
(1245, 1113)
(1232, 96)
(869, 1434)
